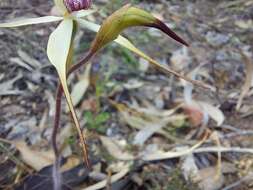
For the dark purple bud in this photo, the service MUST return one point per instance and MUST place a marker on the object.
(77, 5)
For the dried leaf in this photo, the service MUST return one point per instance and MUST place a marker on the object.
(161, 155)
(36, 159)
(22, 64)
(154, 126)
(28, 59)
(113, 179)
(81, 87)
(248, 81)
(244, 24)
(71, 163)
(146, 119)
(114, 149)
(7, 86)
(208, 179)
(214, 112)
(199, 111)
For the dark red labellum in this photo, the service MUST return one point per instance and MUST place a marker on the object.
(77, 5)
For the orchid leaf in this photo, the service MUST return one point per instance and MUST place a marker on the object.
(30, 21)
(127, 44)
(58, 50)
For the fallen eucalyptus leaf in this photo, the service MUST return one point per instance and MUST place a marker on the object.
(199, 109)
(113, 179)
(161, 155)
(214, 112)
(36, 159)
(139, 118)
(114, 149)
(154, 126)
(81, 87)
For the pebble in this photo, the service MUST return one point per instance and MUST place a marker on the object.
(217, 39)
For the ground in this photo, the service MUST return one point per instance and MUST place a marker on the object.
(131, 112)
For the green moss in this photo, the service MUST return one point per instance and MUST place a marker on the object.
(177, 182)
(97, 121)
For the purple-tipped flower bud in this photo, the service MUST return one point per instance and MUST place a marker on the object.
(77, 5)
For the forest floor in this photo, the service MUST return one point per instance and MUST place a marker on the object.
(141, 124)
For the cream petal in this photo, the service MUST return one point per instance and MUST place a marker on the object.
(58, 51)
(30, 21)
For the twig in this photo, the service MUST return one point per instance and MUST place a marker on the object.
(223, 149)
(175, 154)
(239, 133)
(249, 75)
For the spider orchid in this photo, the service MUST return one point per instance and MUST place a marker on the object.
(59, 49)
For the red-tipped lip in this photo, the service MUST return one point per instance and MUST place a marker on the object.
(77, 5)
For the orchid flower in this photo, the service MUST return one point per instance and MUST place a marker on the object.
(60, 41)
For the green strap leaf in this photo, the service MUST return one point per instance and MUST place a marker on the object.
(30, 21)
(58, 51)
(127, 44)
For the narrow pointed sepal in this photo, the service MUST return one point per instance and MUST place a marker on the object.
(59, 53)
(127, 17)
(30, 21)
(163, 27)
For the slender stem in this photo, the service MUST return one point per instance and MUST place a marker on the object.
(57, 119)
(83, 61)
(59, 93)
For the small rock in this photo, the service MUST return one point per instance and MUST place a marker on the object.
(217, 39)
